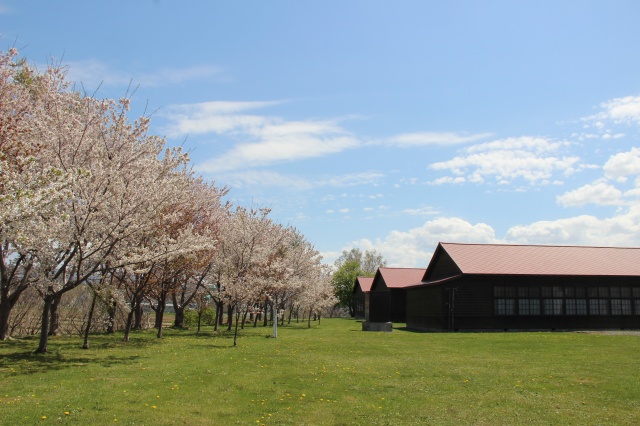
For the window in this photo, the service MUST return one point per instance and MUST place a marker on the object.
(615, 292)
(636, 304)
(570, 291)
(498, 291)
(603, 292)
(553, 306)
(505, 306)
(636, 292)
(576, 306)
(625, 292)
(529, 306)
(620, 307)
(581, 292)
(598, 307)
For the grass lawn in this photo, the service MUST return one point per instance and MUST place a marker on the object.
(331, 374)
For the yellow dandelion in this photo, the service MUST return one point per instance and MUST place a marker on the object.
(44, 417)
(66, 413)
(153, 406)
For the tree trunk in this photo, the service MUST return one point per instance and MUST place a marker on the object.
(7, 300)
(159, 317)
(230, 310)
(112, 317)
(127, 327)
(137, 312)
(5, 311)
(310, 312)
(273, 313)
(54, 322)
(244, 318)
(235, 333)
(255, 320)
(44, 329)
(265, 318)
(199, 320)
(179, 321)
(89, 318)
(217, 318)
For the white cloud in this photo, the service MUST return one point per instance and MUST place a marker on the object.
(421, 211)
(278, 149)
(620, 110)
(414, 247)
(614, 112)
(93, 73)
(620, 230)
(623, 164)
(448, 179)
(266, 179)
(599, 193)
(506, 160)
(214, 117)
(524, 143)
(406, 140)
(265, 140)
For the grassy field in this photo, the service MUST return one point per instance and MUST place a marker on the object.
(331, 374)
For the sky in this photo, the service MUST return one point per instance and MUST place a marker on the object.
(376, 124)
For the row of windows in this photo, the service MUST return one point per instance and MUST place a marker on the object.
(568, 292)
(508, 306)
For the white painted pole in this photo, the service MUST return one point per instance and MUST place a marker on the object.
(275, 323)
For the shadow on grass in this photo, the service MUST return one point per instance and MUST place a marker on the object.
(30, 363)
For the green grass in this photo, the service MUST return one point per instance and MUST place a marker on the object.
(332, 374)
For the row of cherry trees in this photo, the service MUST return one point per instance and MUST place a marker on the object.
(89, 198)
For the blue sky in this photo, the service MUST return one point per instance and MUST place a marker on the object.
(376, 124)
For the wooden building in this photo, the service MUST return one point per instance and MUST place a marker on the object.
(361, 291)
(388, 296)
(527, 287)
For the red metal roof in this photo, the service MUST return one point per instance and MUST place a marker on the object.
(401, 277)
(544, 260)
(365, 283)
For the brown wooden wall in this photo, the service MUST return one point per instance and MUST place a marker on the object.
(470, 303)
(358, 303)
(388, 306)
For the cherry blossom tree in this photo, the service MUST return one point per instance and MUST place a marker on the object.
(30, 190)
(114, 169)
